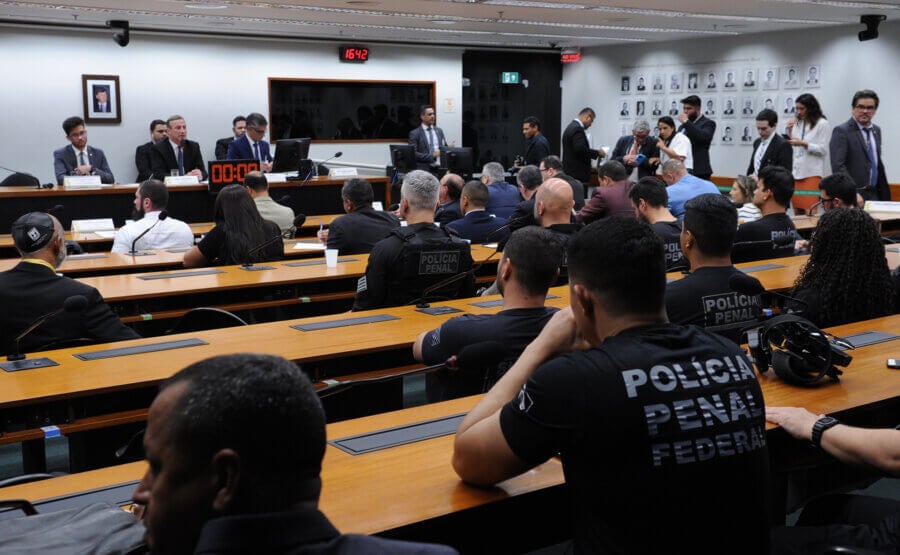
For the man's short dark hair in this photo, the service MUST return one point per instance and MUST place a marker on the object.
(256, 181)
(865, 93)
(769, 116)
(840, 186)
(552, 162)
(477, 193)
(157, 192)
(652, 190)
(692, 100)
(587, 111)
(156, 122)
(235, 120)
(424, 108)
(359, 192)
(533, 122)
(264, 408)
(71, 123)
(779, 181)
(529, 177)
(537, 254)
(612, 169)
(622, 262)
(454, 184)
(712, 220)
(255, 119)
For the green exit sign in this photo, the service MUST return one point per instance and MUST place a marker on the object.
(509, 77)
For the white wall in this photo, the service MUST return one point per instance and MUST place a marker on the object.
(847, 66)
(207, 80)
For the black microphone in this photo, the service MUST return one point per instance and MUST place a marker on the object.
(315, 167)
(336, 385)
(75, 303)
(284, 200)
(298, 222)
(749, 285)
(422, 302)
(248, 264)
(777, 242)
(514, 221)
(162, 216)
(57, 208)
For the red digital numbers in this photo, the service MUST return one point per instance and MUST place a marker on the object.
(228, 174)
(354, 54)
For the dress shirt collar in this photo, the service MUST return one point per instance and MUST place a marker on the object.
(77, 152)
(579, 123)
(859, 125)
(426, 127)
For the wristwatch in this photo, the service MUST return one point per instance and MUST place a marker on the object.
(819, 428)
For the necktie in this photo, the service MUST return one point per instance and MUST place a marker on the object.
(873, 158)
(760, 152)
(180, 160)
(81, 160)
(431, 140)
(256, 150)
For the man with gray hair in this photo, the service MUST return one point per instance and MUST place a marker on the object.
(529, 179)
(252, 144)
(413, 258)
(177, 155)
(362, 226)
(503, 196)
(635, 151)
(683, 186)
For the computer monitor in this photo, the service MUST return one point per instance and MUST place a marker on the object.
(288, 153)
(458, 160)
(403, 157)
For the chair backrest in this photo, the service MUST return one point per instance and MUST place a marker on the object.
(206, 318)
(19, 179)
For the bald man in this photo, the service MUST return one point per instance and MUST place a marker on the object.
(553, 207)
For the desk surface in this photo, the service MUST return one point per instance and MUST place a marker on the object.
(808, 223)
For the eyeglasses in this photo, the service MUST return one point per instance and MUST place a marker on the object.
(866, 108)
(543, 169)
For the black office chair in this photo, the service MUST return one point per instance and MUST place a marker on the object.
(206, 318)
(19, 179)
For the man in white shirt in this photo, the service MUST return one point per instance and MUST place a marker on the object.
(151, 198)
(258, 187)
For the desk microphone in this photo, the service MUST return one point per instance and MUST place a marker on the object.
(298, 222)
(781, 241)
(162, 216)
(75, 303)
(54, 209)
(509, 223)
(315, 168)
(422, 302)
(284, 200)
(251, 254)
(749, 285)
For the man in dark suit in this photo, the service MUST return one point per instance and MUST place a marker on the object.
(252, 145)
(33, 288)
(101, 99)
(143, 156)
(427, 139)
(577, 153)
(856, 148)
(79, 158)
(700, 130)
(629, 147)
(537, 147)
(238, 128)
(362, 226)
(448, 208)
(177, 153)
(477, 225)
(770, 149)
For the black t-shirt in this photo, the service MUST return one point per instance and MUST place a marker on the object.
(515, 328)
(704, 298)
(661, 432)
(767, 228)
(213, 243)
(670, 233)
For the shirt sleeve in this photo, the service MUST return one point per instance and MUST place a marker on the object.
(444, 342)
(211, 244)
(371, 289)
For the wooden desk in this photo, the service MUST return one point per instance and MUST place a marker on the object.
(889, 222)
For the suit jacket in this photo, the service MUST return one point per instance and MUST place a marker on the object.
(143, 160)
(537, 149)
(849, 155)
(240, 149)
(30, 290)
(648, 149)
(164, 160)
(577, 154)
(608, 200)
(65, 162)
(478, 226)
(222, 147)
(779, 153)
(418, 139)
(700, 132)
(98, 110)
(358, 231)
(448, 212)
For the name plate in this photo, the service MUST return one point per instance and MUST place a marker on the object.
(342, 172)
(78, 181)
(882, 206)
(182, 180)
(90, 226)
(276, 177)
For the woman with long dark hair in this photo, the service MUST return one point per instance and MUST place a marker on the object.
(809, 133)
(672, 144)
(846, 278)
(239, 230)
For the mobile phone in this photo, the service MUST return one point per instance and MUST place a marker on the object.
(893, 363)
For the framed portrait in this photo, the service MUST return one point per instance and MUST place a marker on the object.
(674, 106)
(712, 81)
(642, 83)
(770, 83)
(768, 102)
(639, 108)
(624, 111)
(659, 80)
(748, 106)
(791, 77)
(102, 98)
(709, 107)
(730, 83)
(675, 81)
(813, 75)
(727, 137)
(729, 107)
(747, 134)
(693, 81)
(749, 79)
(625, 84)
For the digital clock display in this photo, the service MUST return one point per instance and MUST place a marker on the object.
(356, 54)
(229, 172)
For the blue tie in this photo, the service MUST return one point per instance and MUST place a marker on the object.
(256, 150)
(81, 160)
(180, 160)
(873, 158)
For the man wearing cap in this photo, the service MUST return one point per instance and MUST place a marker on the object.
(33, 288)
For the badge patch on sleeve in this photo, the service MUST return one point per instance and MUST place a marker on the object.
(361, 284)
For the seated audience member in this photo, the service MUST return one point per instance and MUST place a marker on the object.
(258, 187)
(584, 390)
(477, 225)
(683, 186)
(177, 155)
(704, 297)
(252, 144)
(78, 158)
(448, 208)
(553, 211)
(503, 196)
(143, 159)
(772, 197)
(552, 166)
(239, 234)
(629, 147)
(837, 190)
(742, 191)
(529, 264)
(362, 226)
(151, 198)
(529, 179)
(238, 128)
(851, 521)
(235, 446)
(611, 197)
(846, 278)
(650, 202)
(412, 258)
(33, 288)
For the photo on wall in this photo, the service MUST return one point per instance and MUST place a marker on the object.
(101, 98)
(730, 80)
(770, 83)
(709, 107)
(625, 84)
(813, 76)
(659, 80)
(792, 77)
(729, 108)
(712, 81)
(747, 133)
(641, 84)
(728, 135)
(750, 79)
(676, 81)
(624, 111)
(674, 106)
(693, 81)
(768, 102)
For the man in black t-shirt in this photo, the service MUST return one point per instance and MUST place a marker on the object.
(774, 230)
(529, 264)
(660, 427)
(651, 205)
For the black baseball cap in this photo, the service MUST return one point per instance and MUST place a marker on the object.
(33, 231)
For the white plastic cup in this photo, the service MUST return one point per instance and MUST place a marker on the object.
(331, 257)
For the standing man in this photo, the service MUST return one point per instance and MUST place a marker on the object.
(856, 148)
(577, 153)
(177, 155)
(427, 139)
(238, 128)
(629, 147)
(700, 130)
(537, 147)
(448, 209)
(151, 198)
(362, 226)
(258, 187)
(252, 145)
(770, 149)
(143, 157)
(78, 158)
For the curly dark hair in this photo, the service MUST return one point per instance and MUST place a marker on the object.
(847, 269)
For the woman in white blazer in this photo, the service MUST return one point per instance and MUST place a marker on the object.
(809, 133)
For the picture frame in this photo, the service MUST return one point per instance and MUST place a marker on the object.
(94, 90)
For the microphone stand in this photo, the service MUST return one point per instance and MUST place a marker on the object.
(248, 265)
